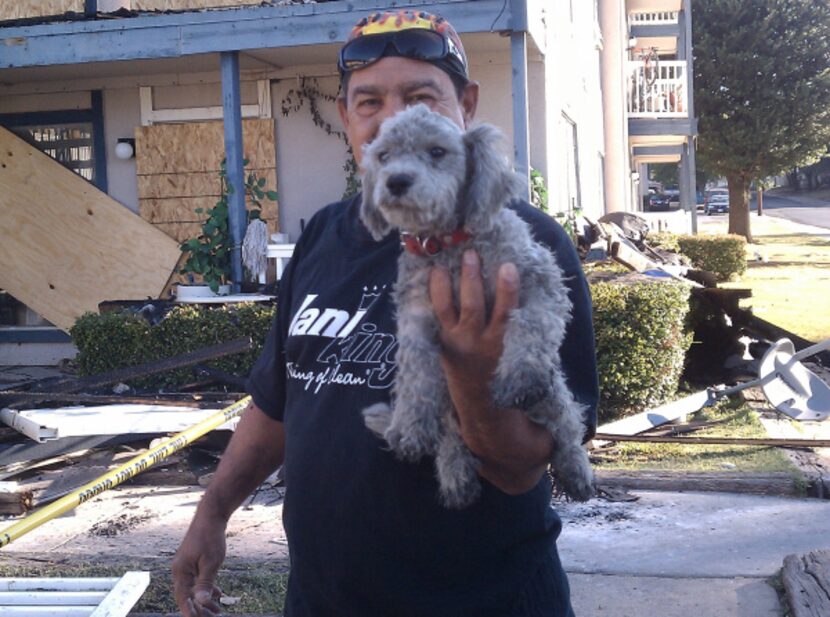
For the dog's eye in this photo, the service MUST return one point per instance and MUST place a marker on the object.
(383, 156)
(437, 152)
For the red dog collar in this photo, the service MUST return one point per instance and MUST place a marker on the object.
(429, 246)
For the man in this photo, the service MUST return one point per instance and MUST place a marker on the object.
(367, 534)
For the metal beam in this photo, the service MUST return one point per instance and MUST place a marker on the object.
(150, 36)
(662, 126)
(521, 129)
(642, 31)
(234, 167)
(658, 151)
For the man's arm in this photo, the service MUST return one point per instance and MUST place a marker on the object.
(253, 453)
(514, 451)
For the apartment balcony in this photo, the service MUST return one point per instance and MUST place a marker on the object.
(658, 91)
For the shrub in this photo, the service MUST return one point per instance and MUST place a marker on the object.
(724, 256)
(118, 339)
(641, 340)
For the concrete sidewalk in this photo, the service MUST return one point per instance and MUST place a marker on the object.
(667, 554)
(686, 554)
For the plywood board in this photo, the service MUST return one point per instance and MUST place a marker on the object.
(183, 230)
(158, 186)
(38, 8)
(199, 146)
(183, 5)
(178, 171)
(183, 209)
(65, 246)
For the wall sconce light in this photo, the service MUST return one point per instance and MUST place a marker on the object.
(635, 176)
(632, 43)
(125, 148)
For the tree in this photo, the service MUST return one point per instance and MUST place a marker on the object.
(762, 90)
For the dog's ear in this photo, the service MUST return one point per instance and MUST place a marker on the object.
(370, 214)
(491, 183)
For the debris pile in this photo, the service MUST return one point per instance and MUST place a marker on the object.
(60, 433)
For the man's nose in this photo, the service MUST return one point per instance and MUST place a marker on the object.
(398, 184)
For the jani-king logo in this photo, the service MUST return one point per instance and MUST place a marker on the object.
(357, 355)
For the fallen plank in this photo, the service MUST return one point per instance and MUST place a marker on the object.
(73, 385)
(60, 423)
(66, 245)
(650, 418)
(725, 441)
(14, 499)
(806, 581)
(115, 399)
(778, 484)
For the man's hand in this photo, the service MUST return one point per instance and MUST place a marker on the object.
(195, 566)
(255, 450)
(513, 450)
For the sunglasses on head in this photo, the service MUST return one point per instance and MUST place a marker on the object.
(418, 44)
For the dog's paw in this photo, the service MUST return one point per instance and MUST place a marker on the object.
(377, 418)
(572, 470)
(408, 447)
(520, 392)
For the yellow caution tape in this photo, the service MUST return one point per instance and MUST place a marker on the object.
(129, 469)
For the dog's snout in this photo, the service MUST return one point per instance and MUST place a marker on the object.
(398, 184)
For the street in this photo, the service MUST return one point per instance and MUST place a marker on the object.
(802, 209)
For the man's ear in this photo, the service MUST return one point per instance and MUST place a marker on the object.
(491, 183)
(469, 102)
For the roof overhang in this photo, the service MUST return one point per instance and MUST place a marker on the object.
(159, 36)
(657, 154)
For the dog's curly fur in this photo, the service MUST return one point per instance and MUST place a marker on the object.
(423, 175)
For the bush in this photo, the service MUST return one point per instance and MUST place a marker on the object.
(119, 339)
(724, 256)
(641, 340)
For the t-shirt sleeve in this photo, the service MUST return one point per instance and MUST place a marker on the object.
(578, 353)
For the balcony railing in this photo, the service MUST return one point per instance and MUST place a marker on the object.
(657, 90)
(653, 18)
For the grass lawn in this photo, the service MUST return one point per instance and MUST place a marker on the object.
(735, 419)
(792, 287)
(248, 588)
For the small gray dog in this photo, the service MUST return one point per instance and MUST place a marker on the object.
(445, 191)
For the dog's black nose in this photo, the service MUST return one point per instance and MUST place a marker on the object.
(398, 184)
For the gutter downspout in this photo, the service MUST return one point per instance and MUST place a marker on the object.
(237, 213)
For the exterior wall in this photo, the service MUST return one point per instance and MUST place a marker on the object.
(573, 95)
(309, 163)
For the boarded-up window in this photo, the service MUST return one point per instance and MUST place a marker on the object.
(71, 145)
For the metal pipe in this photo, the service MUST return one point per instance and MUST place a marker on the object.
(521, 129)
(237, 213)
(126, 471)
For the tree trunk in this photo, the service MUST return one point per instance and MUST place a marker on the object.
(739, 205)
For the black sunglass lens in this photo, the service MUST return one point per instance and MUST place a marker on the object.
(362, 50)
(420, 44)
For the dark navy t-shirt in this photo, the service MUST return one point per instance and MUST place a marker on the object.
(367, 535)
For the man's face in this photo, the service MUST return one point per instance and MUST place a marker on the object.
(391, 84)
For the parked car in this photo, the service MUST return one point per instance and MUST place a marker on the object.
(700, 200)
(657, 202)
(673, 193)
(716, 201)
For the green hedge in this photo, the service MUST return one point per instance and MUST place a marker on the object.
(724, 256)
(642, 340)
(118, 339)
(640, 333)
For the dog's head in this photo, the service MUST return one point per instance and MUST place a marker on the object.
(422, 174)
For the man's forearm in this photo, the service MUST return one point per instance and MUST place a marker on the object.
(253, 453)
